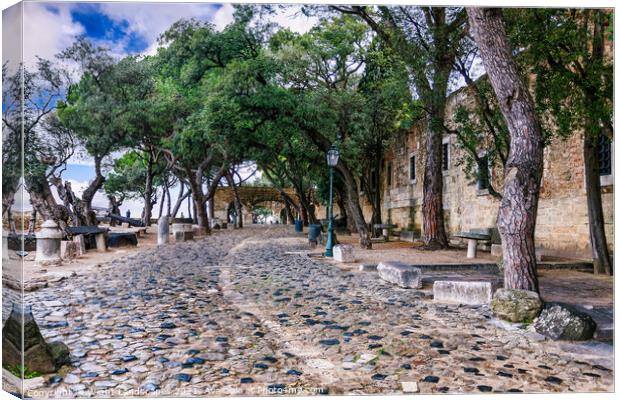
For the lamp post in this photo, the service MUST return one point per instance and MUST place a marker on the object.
(332, 161)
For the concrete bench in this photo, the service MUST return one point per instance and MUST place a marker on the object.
(472, 241)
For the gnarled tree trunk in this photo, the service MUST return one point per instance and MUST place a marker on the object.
(352, 199)
(237, 199)
(517, 212)
(596, 220)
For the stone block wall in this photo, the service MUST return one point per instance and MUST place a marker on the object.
(562, 225)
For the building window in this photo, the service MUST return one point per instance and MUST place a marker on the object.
(483, 173)
(445, 156)
(604, 155)
(389, 174)
(412, 168)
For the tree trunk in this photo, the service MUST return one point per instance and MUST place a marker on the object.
(189, 205)
(376, 206)
(516, 219)
(596, 220)
(161, 205)
(88, 195)
(352, 199)
(201, 214)
(237, 200)
(148, 192)
(432, 203)
(179, 202)
(114, 208)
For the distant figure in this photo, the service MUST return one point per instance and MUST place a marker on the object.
(128, 214)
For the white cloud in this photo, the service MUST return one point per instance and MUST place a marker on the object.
(149, 20)
(223, 16)
(46, 32)
(11, 32)
(293, 19)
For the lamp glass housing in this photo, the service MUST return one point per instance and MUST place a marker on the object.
(332, 156)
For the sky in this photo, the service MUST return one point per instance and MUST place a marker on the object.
(124, 27)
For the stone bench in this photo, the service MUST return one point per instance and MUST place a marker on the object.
(385, 230)
(94, 236)
(472, 241)
(409, 236)
(119, 239)
(401, 274)
(463, 292)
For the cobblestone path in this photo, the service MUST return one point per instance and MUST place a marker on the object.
(233, 314)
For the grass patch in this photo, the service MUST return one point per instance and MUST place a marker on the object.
(17, 371)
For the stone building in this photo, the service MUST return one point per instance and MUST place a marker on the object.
(562, 223)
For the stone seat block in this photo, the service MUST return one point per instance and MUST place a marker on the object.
(183, 236)
(69, 249)
(463, 292)
(401, 274)
(344, 253)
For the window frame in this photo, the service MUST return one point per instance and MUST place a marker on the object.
(412, 176)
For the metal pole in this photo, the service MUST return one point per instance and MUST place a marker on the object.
(330, 227)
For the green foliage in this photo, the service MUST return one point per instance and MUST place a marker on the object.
(573, 84)
(22, 371)
(128, 177)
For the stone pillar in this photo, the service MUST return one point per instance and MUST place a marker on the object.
(81, 244)
(48, 243)
(100, 239)
(5, 246)
(471, 248)
(163, 230)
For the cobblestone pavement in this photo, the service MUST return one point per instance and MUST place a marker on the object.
(233, 314)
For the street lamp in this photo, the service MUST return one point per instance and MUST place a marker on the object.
(332, 161)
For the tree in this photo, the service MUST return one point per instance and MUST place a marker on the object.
(29, 100)
(565, 50)
(428, 39)
(95, 110)
(517, 212)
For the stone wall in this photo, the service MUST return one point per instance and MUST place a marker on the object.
(562, 225)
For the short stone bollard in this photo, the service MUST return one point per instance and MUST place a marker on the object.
(48, 244)
(463, 292)
(5, 246)
(182, 232)
(344, 253)
(163, 230)
(401, 274)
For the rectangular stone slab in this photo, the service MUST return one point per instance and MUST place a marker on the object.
(344, 253)
(401, 274)
(463, 292)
